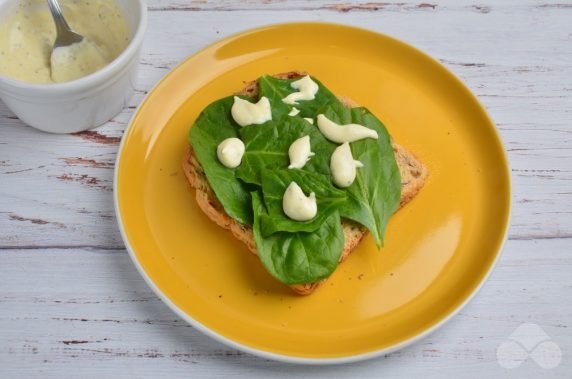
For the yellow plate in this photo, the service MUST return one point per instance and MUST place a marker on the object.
(438, 249)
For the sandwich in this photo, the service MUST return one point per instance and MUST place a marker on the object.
(298, 174)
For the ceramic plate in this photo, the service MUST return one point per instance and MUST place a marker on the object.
(438, 249)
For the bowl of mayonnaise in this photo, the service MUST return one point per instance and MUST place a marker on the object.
(76, 88)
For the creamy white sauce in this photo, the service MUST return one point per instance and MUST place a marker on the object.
(76, 60)
(294, 111)
(27, 37)
(307, 90)
(343, 166)
(343, 133)
(246, 113)
(230, 152)
(310, 120)
(297, 206)
(300, 152)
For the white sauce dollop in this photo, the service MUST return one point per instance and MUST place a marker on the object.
(246, 113)
(294, 111)
(343, 133)
(297, 206)
(310, 120)
(230, 152)
(307, 90)
(343, 166)
(300, 152)
(76, 60)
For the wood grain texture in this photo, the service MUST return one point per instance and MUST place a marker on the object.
(89, 310)
(72, 304)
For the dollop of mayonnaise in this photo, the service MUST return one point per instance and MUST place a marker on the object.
(343, 166)
(300, 152)
(230, 152)
(307, 90)
(246, 113)
(297, 206)
(76, 60)
(294, 111)
(343, 133)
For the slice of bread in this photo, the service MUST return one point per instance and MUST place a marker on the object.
(413, 177)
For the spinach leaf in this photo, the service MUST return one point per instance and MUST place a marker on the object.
(375, 193)
(277, 89)
(266, 147)
(274, 184)
(371, 199)
(298, 258)
(214, 125)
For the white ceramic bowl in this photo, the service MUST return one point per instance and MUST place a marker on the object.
(86, 102)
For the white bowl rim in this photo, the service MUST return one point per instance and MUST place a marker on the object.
(290, 358)
(91, 80)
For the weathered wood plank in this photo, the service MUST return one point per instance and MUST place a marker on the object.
(89, 310)
(464, 6)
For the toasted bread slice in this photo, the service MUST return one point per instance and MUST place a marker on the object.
(413, 177)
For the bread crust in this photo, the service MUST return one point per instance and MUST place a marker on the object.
(413, 177)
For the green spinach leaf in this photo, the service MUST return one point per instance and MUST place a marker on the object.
(274, 184)
(299, 258)
(374, 195)
(266, 147)
(370, 200)
(277, 89)
(214, 125)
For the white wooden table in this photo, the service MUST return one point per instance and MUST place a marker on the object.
(73, 305)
